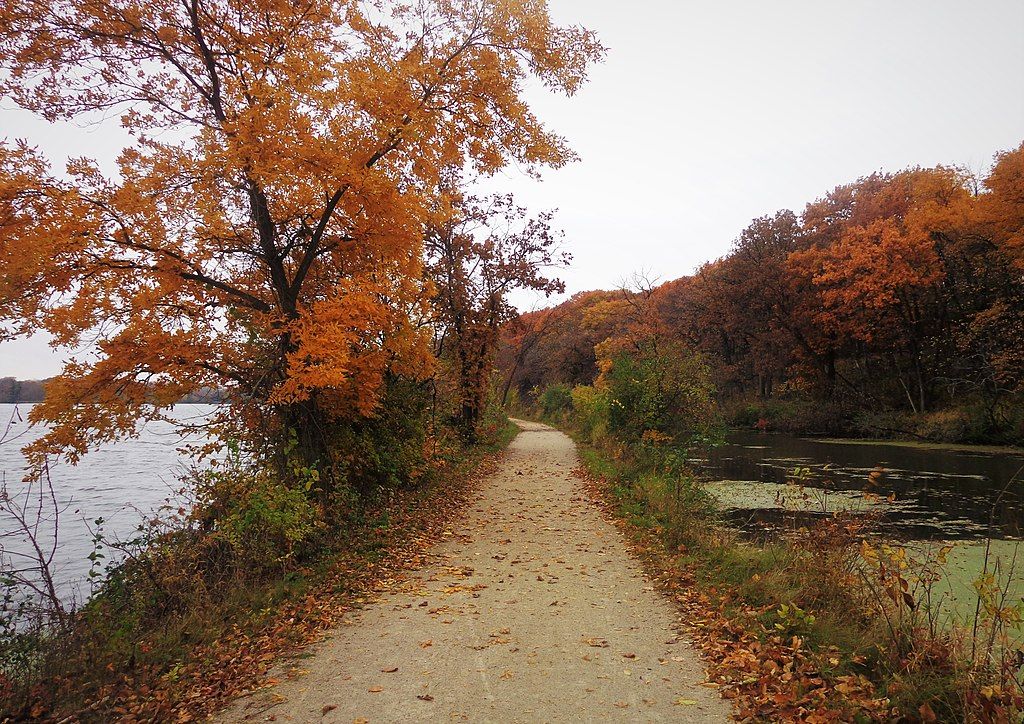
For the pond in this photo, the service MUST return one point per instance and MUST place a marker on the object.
(919, 492)
(925, 496)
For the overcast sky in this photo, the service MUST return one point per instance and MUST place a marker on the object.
(708, 114)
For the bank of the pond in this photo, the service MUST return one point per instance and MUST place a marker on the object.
(199, 655)
(967, 499)
(923, 445)
(969, 425)
(805, 623)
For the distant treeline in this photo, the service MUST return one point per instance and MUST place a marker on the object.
(12, 391)
(893, 305)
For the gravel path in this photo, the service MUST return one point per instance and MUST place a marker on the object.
(531, 611)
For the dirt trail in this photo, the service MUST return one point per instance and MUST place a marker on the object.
(531, 611)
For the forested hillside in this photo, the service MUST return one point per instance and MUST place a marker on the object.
(892, 305)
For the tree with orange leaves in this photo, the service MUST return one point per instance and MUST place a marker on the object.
(880, 279)
(264, 229)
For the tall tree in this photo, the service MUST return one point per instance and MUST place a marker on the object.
(477, 252)
(264, 229)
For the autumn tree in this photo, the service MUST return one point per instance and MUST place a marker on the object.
(556, 345)
(477, 251)
(881, 279)
(263, 230)
(517, 338)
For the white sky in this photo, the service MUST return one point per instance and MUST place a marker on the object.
(707, 114)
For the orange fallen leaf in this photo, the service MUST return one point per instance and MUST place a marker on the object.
(375, 689)
(326, 708)
(392, 670)
(927, 714)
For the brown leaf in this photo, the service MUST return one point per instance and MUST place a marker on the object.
(927, 714)
(327, 708)
(375, 689)
(424, 697)
(392, 670)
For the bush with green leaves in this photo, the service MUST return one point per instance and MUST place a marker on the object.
(264, 519)
(375, 454)
(590, 411)
(661, 394)
(555, 401)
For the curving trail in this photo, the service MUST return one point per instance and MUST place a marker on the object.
(534, 612)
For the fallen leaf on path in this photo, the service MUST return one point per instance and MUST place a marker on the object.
(375, 689)
(684, 702)
(629, 656)
(622, 704)
(424, 697)
(426, 644)
(596, 642)
(392, 670)
(327, 708)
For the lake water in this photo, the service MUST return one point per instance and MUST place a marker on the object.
(122, 483)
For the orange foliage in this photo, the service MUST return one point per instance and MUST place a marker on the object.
(264, 229)
(896, 291)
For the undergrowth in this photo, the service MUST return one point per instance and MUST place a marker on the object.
(822, 625)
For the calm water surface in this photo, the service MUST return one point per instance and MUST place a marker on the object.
(925, 497)
(122, 483)
(920, 493)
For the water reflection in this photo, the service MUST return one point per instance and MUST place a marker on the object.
(927, 493)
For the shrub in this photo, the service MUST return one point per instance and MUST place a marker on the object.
(661, 394)
(263, 521)
(384, 451)
(590, 411)
(555, 400)
(949, 425)
(795, 413)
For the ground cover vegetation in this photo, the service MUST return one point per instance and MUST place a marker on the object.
(829, 622)
(292, 224)
(891, 307)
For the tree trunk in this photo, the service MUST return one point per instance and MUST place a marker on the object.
(306, 421)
